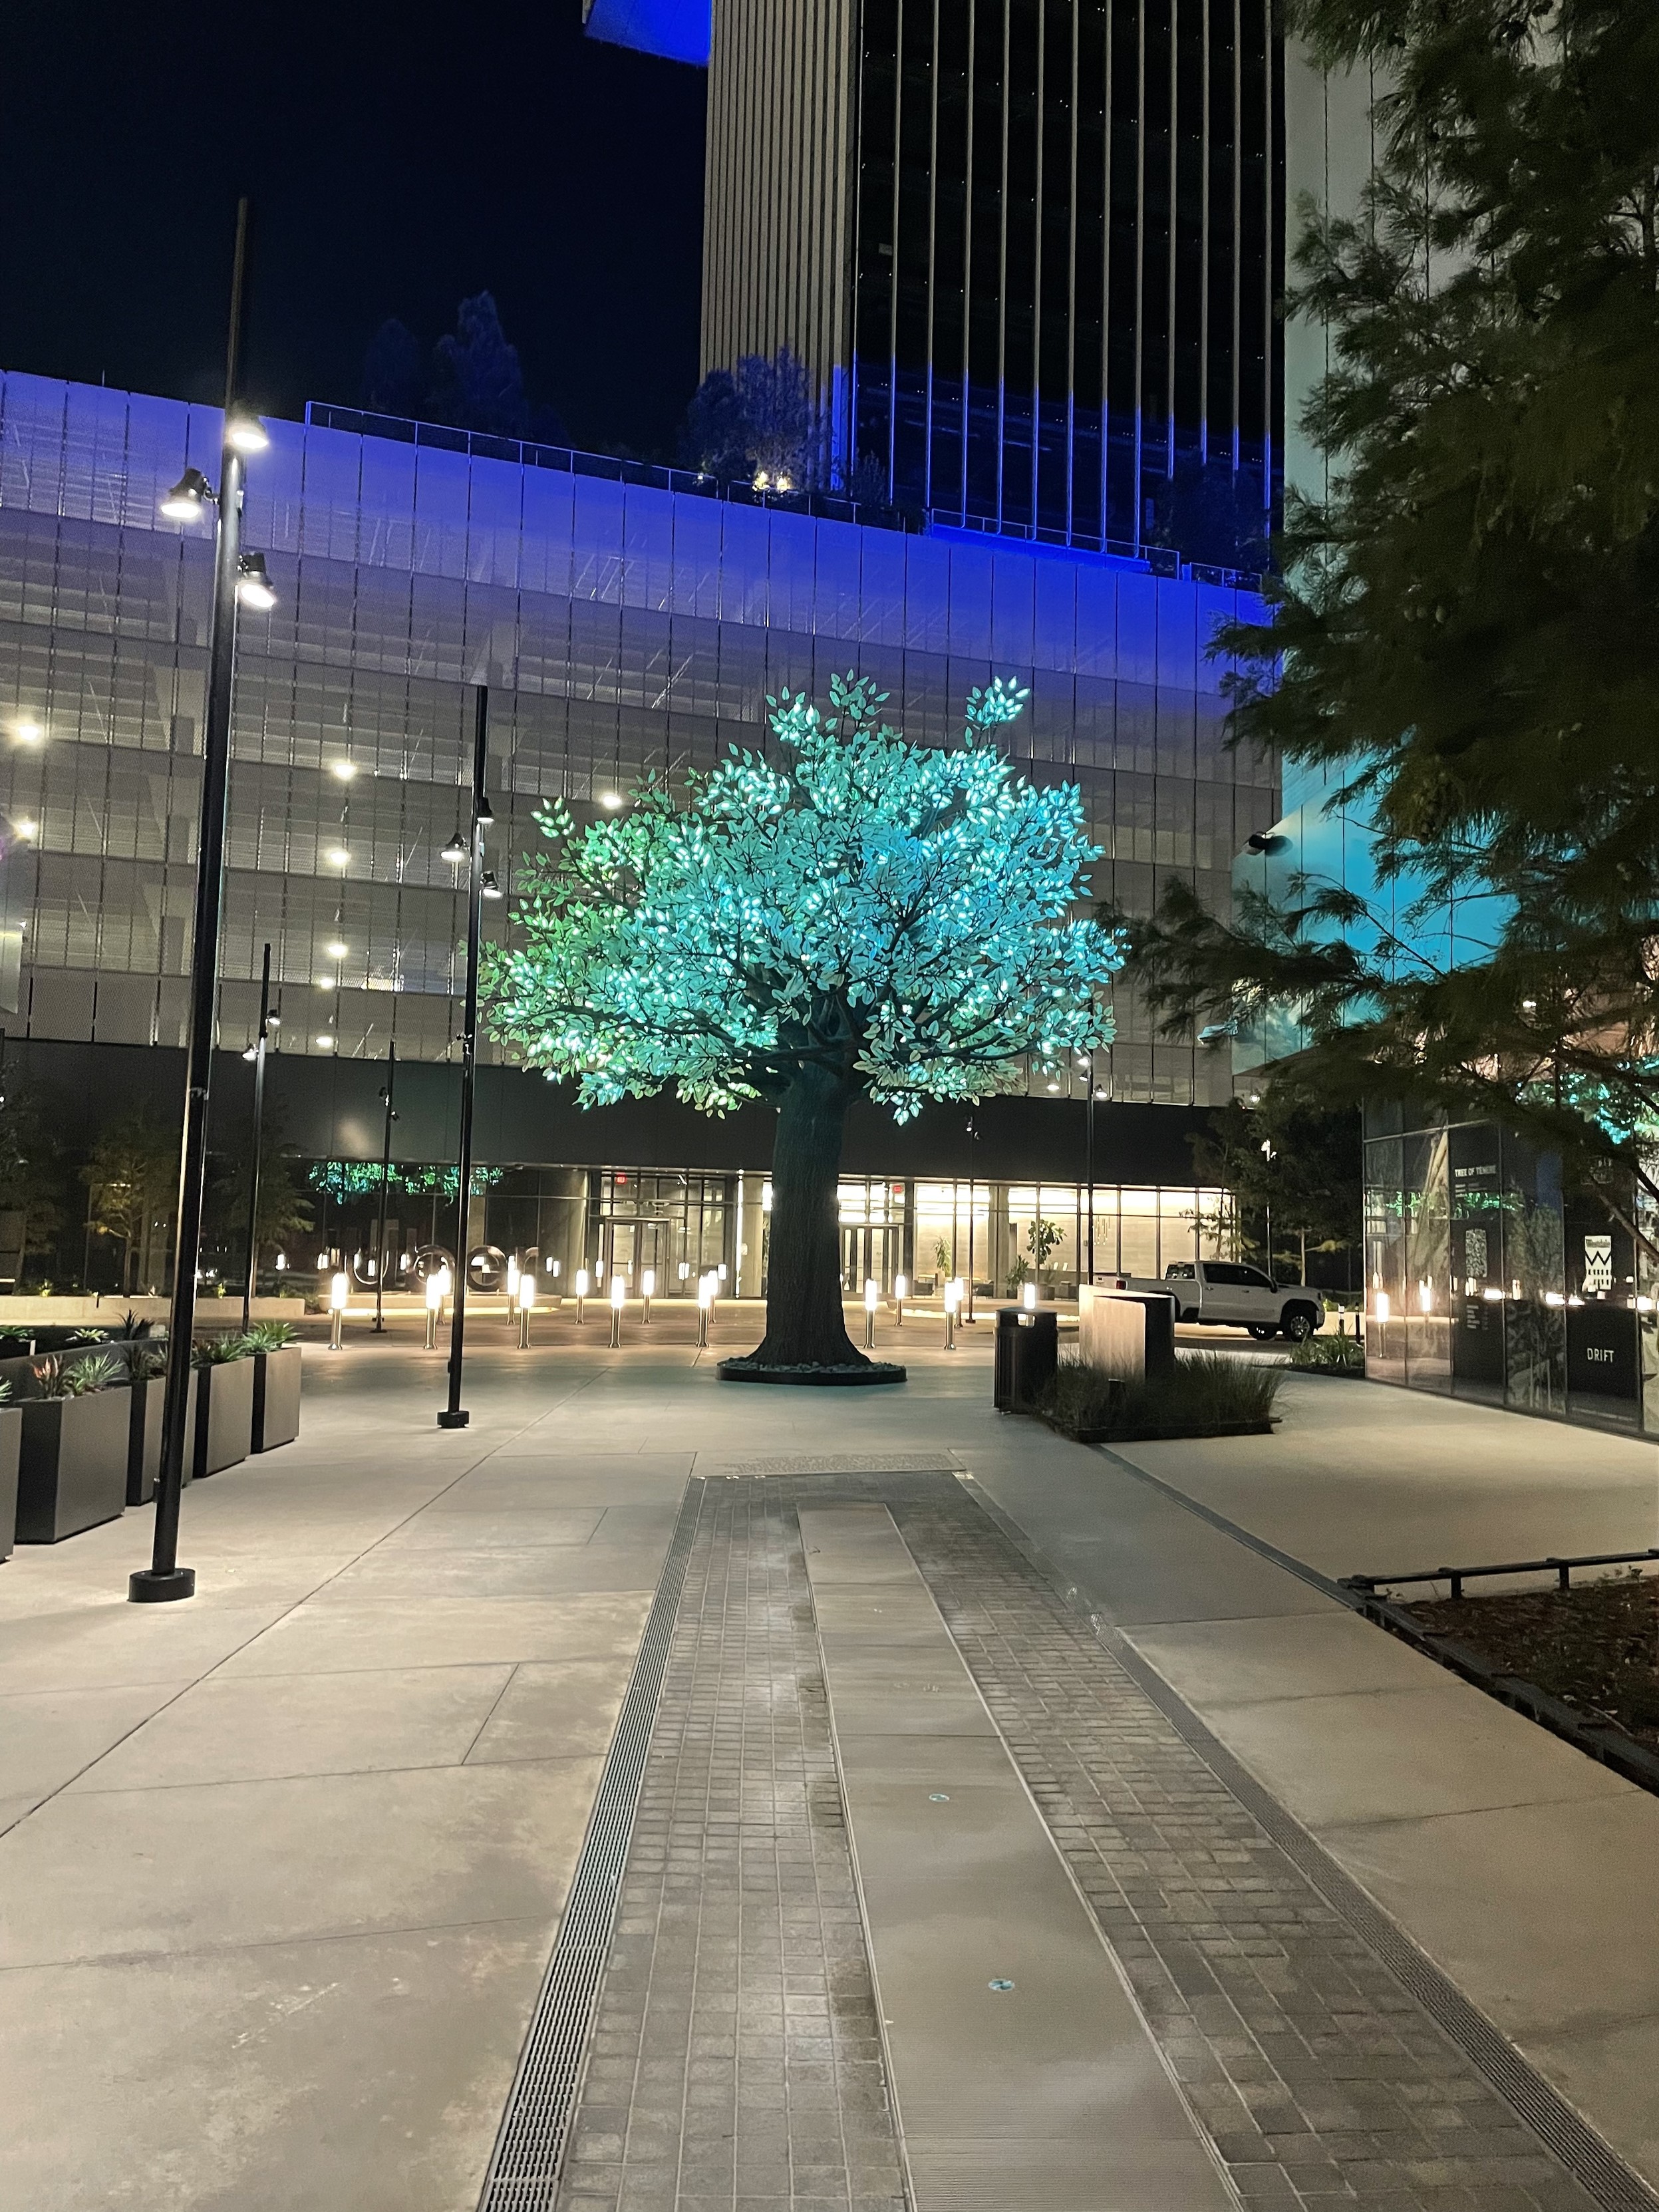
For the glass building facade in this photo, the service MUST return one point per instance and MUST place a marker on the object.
(625, 624)
(1031, 253)
(1486, 1280)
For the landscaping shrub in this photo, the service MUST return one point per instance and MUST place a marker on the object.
(1341, 1355)
(270, 1335)
(76, 1378)
(1208, 1391)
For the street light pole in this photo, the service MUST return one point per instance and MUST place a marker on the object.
(455, 1415)
(234, 577)
(250, 1287)
(385, 1177)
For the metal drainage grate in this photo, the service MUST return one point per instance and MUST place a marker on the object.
(524, 2171)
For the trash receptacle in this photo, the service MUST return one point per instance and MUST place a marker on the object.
(1028, 1353)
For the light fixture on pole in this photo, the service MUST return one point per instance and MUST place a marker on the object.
(253, 585)
(188, 501)
(257, 1056)
(454, 1415)
(387, 1089)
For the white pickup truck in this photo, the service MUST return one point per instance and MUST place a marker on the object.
(1225, 1291)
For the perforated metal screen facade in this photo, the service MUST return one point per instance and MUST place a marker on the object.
(621, 630)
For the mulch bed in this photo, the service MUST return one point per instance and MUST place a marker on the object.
(1595, 1647)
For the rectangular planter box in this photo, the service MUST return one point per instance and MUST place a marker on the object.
(275, 1397)
(11, 1441)
(224, 1415)
(72, 1469)
(145, 1438)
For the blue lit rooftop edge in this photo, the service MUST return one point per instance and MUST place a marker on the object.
(830, 507)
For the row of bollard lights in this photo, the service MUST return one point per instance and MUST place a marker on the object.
(521, 1296)
(521, 1300)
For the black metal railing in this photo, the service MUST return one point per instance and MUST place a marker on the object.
(1561, 1568)
(829, 506)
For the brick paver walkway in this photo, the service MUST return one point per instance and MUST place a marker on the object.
(736, 2062)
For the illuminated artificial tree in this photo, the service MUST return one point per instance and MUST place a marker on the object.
(866, 918)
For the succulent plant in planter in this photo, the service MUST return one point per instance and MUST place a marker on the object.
(72, 1462)
(275, 1383)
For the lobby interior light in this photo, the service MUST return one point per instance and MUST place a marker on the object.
(338, 857)
(27, 733)
(27, 829)
(337, 950)
(611, 800)
(247, 433)
(345, 769)
(253, 585)
(190, 498)
(455, 850)
(325, 1043)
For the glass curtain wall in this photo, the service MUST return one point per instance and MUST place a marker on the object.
(1485, 1279)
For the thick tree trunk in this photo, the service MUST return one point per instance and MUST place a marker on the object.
(805, 1323)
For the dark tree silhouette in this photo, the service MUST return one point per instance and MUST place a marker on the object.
(714, 436)
(1209, 513)
(477, 382)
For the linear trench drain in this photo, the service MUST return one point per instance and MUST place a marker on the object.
(1592, 2163)
(524, 2171)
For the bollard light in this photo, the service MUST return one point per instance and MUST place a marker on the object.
(705, 1300)
(648, 1287)
(338, 1292)
(582, 1293)
(1028, 1296)
(872, 1300)
(900, 1291)
(435, 1298)
(952, 1300)
(527, 1302)
(618, 1293)
(512, 1283)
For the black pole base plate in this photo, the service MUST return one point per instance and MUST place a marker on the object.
(148, 1588)
(456, 1421)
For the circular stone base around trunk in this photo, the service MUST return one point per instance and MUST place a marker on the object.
(866, 1371)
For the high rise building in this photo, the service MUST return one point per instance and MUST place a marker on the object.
(1029, 250)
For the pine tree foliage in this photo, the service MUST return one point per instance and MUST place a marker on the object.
(1463, 637)
(898, 912)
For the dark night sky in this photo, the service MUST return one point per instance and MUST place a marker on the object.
(397, 157)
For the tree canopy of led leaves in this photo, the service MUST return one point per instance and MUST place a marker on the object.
(1463, 638)
(896, 913)
(859, 917)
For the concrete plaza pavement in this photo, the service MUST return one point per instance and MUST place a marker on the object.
(283, 1866)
